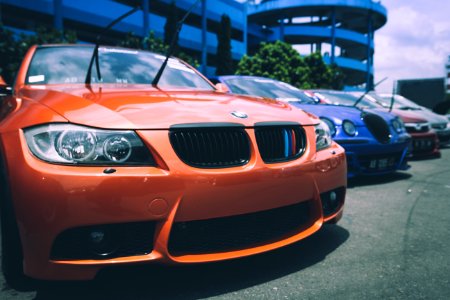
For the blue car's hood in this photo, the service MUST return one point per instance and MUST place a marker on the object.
(335, 113)
(339, 113)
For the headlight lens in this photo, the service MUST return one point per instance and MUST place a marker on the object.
(330, 125)
(349, 127)
(398, 125)
(79, 145)
(323, 136)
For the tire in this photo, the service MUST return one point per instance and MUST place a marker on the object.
(11, 246)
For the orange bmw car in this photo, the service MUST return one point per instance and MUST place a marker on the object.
(105, 168)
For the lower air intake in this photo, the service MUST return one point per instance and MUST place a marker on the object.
(239, 232)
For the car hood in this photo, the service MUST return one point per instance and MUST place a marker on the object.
(134, 107)
(335, 113)
(430, 116)
(409, 116)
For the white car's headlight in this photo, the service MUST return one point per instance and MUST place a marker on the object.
(323, 136)
(79, 145)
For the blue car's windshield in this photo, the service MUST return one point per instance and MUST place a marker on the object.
(69, 65)
(268, 88)
(346, 99)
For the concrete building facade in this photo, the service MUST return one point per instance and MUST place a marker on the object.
(344, 27)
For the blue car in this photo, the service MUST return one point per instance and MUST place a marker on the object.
(375, 142)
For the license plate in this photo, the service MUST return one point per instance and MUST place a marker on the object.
(381, 164)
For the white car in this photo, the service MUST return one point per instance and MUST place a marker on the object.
(438, 122)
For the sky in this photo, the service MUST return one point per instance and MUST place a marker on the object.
(414, 43)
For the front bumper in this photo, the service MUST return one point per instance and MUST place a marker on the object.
(375, 158)
(443, 136)
(50, 200)
(424, 144)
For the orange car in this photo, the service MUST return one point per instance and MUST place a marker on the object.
(114, 170)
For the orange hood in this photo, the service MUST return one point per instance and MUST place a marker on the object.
(135, 107)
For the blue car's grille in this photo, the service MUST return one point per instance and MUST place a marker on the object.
(378, 127)
(279, 143)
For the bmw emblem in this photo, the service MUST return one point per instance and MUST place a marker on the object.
(239, 114)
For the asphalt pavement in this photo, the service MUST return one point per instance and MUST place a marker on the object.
(392, 243)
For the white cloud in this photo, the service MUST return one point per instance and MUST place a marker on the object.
(415, 43)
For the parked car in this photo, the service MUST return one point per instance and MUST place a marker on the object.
(115, 170)
(439, 123)
(375, 143)
(424, 140)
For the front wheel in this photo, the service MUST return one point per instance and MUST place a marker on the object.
(12, 255)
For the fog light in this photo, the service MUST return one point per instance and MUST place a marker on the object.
(102, 242)
(333, 196)
(97, 237)
(331, 201)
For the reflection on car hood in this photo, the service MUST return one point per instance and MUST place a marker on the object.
(335, 113)
(339, 113)
(431, 116)
(131, 107)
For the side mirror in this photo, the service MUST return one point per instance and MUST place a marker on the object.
(5, 89)
(222, 88)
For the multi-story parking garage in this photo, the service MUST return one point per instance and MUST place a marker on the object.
(341, 29)
(344, 27)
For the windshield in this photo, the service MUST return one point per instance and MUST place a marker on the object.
(346, 99)
(69, 64)
(400, 102)
(266, 88)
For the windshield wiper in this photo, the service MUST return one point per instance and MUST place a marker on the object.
(366, 92)
(94, 56)
(172, 45)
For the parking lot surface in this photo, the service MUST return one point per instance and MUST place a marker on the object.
(392, 243)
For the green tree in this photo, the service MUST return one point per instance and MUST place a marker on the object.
(281, 61)
(8, 61)
(170, 28)
(275, 60)
(224, 59)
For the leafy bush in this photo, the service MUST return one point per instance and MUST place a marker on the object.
(281, 61)
(12, 50)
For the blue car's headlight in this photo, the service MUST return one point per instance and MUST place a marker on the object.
(330, 125)
(323, 136)
(79, 145)
(398, 125)
(349, 127)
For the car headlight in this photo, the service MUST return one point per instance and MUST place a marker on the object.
(330, 125)
(398, 125)
(349, 127)
(79, 145)
(323, 136)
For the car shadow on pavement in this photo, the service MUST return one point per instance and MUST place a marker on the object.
(204, 280)
(378, 179)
